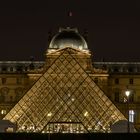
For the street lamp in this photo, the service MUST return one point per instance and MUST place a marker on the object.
(127, 93)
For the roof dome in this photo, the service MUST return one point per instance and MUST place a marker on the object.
(68, 38)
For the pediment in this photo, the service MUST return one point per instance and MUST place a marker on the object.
(69, 50)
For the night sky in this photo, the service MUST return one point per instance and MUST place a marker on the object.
(113, 28)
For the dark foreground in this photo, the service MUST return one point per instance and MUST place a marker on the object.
(93, 136)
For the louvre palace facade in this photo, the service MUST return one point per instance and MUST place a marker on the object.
(68, 92)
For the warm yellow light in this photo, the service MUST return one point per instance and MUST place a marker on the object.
(86, 114)
(127, 93)
(3, 112)
(49, 114)
(72, 99)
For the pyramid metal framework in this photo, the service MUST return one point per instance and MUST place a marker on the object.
(65, 99)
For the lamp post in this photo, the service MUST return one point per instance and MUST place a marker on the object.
(127, 93)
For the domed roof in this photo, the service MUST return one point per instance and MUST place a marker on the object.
(68, 38)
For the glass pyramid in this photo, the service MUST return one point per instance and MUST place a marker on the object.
(65, 99)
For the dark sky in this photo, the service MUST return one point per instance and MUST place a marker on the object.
(113, 28)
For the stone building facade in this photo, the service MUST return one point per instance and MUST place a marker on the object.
(113, 78)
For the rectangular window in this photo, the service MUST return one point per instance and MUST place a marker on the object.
(19, 81)
(96, 80)
(116, 69)
(131, 97)
(131, 81)
(116, 97)
(11, 69)
(3, 80)
(116, 81)
(131, 115)
(4, 69)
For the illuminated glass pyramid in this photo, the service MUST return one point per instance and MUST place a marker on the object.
(65, 99)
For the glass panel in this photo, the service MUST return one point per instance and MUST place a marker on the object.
(64, 99)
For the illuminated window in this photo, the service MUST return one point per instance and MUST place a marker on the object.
(131, 115)
(3, 112)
